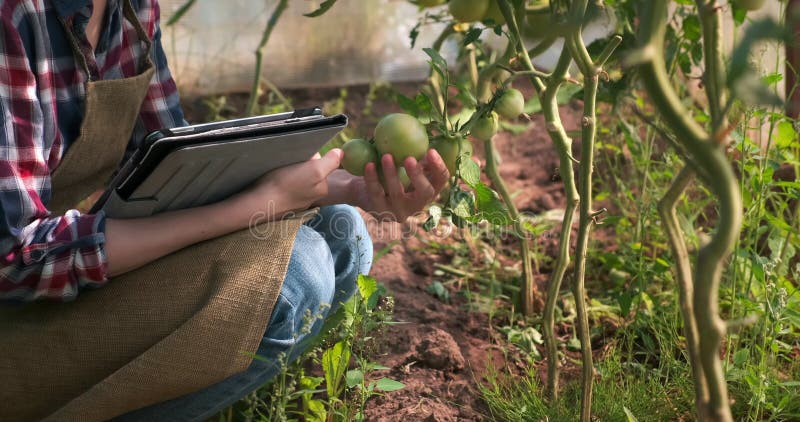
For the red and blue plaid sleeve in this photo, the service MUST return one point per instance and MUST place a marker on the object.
(43, 256)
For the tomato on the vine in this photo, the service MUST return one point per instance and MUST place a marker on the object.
(449, 148)
(494, 13)
(510, 104)
(468, 10)
(430, 3)
(486, 127)
(357, 153)
(750, 4)
(402, 136)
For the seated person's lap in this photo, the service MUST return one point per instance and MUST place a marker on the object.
(329, 253)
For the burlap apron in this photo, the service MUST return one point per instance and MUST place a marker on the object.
(167, 329)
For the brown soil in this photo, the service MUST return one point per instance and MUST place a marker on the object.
(442, 350)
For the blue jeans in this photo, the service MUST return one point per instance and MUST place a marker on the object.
(329, 253)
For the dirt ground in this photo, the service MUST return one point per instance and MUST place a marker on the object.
(442, 350)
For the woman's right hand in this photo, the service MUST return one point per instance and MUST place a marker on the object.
(293, 187)
(135, 242)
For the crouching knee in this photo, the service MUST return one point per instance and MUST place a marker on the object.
(346, 233)
(307, 292)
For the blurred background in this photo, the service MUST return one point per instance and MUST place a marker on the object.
(211, 48)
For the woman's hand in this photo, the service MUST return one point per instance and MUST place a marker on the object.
(394, 203)
(294, 187)
(135, 242)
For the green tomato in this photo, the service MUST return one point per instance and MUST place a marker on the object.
(357, 153)
(468, 10)
(749, 4)
(511, 104)
(430, 3)
(494, 13)
(449, 148)
(402, 136)
(486, 127)
(539, 23)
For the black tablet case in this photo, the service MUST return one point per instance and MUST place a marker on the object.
(189, 167)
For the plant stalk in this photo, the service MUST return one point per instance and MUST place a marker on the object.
(273, 20)
(591, 73)
(548, 98)
(529, 287)
(529, 290)
(667, 208)
(723, 185)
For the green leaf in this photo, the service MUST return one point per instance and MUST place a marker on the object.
(574, 344)
(462, 203)
(316, 411)
(470, 172)
(786, 135)
(310, 383)
(414, 34)
(739, 14)
(472, 36)
(180, 12)
(490, 207)
(354, 377)
(629, 415)
(740, 357)
(367, 286)
(437, 60)
(772, 78)
(407, 104)
(432, 222)
(387, 385)
(438, 290)
(425, 109)
(691, 28)
(334, 365)
(324, 7)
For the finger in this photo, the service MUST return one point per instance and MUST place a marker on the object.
(316, 156)
(330, 162)
(437, 170)
(374, 188)
(393, 186)
(420, 183)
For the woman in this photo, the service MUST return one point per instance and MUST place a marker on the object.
(186, 296)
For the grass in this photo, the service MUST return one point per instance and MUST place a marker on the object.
(619, 396)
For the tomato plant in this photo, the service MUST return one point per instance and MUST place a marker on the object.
(357, 154)
(453, 149)
(402, 136)
(473, 97)
(468, 10)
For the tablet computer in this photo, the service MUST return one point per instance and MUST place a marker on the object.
(196, 165)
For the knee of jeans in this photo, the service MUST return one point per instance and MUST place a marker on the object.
(308, 288)
(346, 232)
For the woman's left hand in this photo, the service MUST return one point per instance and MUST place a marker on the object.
(392, 203)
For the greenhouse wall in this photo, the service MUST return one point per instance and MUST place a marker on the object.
(211, 48)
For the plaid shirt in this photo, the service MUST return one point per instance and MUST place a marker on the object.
(45, 256)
